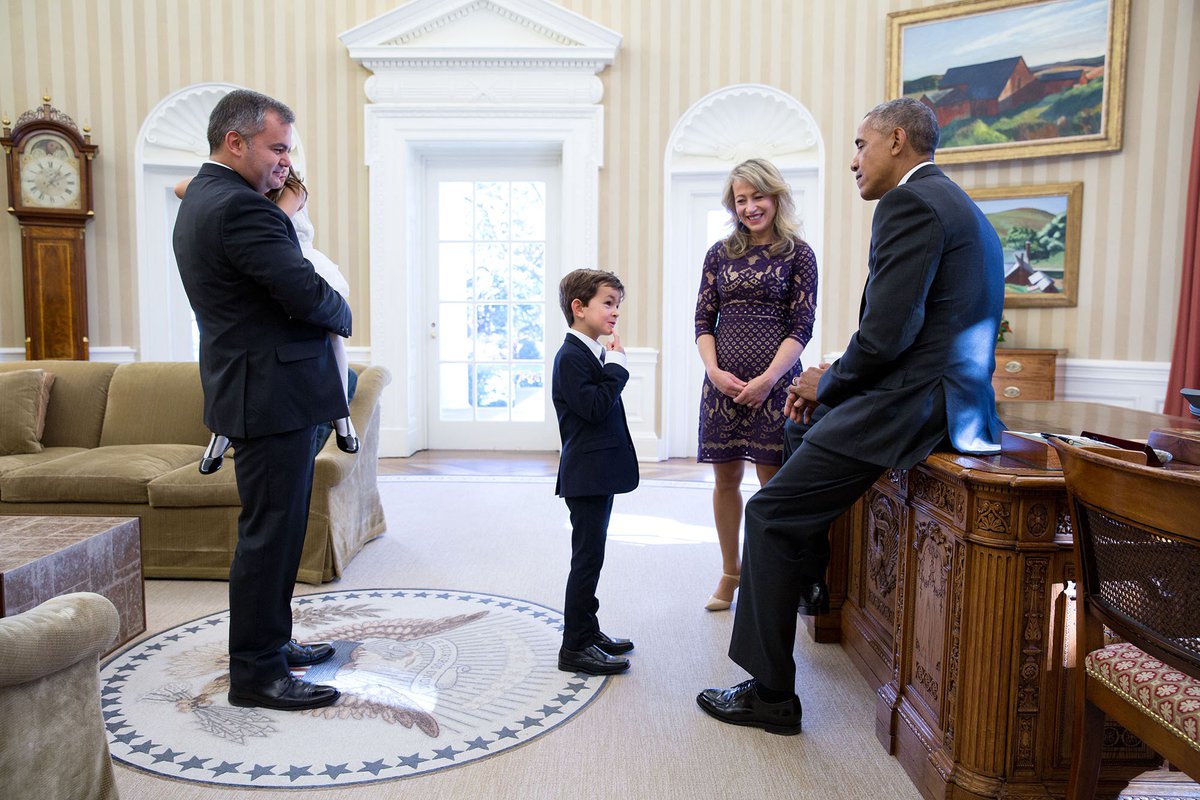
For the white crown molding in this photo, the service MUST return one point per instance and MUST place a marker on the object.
(529, 50)
(746, 121)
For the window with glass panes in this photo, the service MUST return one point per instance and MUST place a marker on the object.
(491, 300)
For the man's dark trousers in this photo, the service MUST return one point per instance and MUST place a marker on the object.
(787, 549)
(274, 477)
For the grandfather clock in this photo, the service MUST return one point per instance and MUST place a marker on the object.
(50, 193)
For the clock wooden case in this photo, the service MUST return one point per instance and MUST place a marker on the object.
(50, 193)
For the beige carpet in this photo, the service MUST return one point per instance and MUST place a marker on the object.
(643, 737)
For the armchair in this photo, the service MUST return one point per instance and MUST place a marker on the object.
(53, 744)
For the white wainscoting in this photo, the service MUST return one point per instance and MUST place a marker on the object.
(1130, 384)
(115, 355)
(641, 399)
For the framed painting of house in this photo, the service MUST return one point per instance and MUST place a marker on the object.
(1038, 228)
(1014, 78)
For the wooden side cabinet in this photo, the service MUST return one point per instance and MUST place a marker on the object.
(1025, 374)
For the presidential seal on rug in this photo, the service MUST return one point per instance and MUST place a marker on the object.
(430, 679)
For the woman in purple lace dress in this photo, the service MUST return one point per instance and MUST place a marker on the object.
(753, 318)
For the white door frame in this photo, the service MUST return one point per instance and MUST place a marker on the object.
(400, 141)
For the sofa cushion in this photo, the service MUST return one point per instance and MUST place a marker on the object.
(187, 488)
(117, 474)
(75, 413)
(155, 402)
(13, 463)
(20, 407)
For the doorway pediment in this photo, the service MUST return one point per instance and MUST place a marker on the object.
(481, 34)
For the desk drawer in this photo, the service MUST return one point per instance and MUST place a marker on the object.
(1009, 389)
(1024, 374)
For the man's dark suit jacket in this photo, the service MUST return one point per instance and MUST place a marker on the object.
(921, 362)
(266, 363)
(597, 450)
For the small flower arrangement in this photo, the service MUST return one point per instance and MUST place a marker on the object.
(1004, 328)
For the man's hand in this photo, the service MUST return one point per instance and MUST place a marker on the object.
(802, 394)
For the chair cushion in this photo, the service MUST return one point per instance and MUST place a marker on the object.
(1167, 695)
(187, 488)
(116, 474)
(20, 408)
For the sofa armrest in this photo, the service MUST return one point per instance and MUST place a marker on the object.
(60, 632)
(332, 465)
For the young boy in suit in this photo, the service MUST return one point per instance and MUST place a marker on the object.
(597, 459)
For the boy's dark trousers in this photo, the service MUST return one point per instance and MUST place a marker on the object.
(589, 530)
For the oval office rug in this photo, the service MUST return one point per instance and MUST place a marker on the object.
(430, 679)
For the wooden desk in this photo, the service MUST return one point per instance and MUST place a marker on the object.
(44, 556)
(947, 583)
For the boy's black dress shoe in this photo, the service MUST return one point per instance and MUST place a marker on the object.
(614, 647)
(305, 655)
(591, 660)
(285, 694)
(815, 599)
(741, 705)
(347, 443)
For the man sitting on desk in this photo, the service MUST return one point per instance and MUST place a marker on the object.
(914, 378)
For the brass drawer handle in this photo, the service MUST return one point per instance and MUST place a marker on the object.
(1012, 391)
(1012, 366)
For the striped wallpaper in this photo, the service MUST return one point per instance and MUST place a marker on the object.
(108, 62)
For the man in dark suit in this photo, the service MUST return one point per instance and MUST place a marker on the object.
(915, 376)
(597, 459)
(269, 376)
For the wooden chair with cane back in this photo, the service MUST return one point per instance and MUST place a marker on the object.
(1137, 547)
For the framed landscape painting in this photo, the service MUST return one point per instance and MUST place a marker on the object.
(1038, 228)
(1014, 78)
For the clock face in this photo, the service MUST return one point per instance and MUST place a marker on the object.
(50, 173)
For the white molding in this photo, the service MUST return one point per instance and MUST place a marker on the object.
(640, 400)
(1140, 385)
(117, 354)
(431, 35)
(441, 87)
(719, 131)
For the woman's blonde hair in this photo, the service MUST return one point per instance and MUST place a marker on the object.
(765, 178)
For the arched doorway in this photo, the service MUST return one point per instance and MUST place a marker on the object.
(720, 131)
(171, 145)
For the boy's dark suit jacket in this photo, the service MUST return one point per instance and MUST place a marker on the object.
(266, 363)
(920, 364)
(597, 450)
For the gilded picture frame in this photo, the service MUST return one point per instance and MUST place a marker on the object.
(1015, 78)
(1039, 228)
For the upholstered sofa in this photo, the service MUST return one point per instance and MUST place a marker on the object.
(126, 440)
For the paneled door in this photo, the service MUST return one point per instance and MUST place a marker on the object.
(493, 318)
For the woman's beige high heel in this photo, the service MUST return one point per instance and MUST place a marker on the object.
(717, 604)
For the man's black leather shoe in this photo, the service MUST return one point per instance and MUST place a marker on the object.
(815, 599)
(741, 705)
(285, 694)
(591, 660)
(305, 655)
(614, 647)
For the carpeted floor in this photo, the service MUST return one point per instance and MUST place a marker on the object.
(642, 735)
